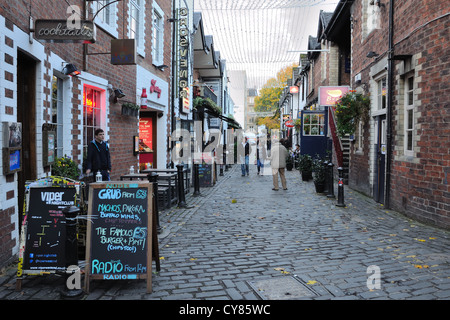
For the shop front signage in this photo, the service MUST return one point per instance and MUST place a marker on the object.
(289, 124)
(155, 89)
(329, 95)
(59, 31)
(183, 44)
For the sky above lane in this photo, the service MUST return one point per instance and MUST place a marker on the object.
(257, 35)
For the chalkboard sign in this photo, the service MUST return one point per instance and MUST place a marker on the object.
(205, 174)
(119, 234)
(46, 228)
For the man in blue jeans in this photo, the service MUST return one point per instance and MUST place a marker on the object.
(244, 166)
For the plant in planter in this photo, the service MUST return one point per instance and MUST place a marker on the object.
(350, 109)
(305, 166)
(131, 109)
(207, 102)
(318, 175)
(66, 167)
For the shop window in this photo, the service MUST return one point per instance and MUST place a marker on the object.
(314, 124)
(57, 113)
(93, 105)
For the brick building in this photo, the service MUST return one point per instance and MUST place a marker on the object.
(36, 92)
(401, 157)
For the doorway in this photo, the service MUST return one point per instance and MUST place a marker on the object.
(26, 114)
(380, 158)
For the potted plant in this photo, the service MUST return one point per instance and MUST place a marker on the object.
(66, 167)
(289, 163)
(318, 175)
(350, 109)
(305, 166)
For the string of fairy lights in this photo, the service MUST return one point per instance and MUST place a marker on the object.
(257, 35)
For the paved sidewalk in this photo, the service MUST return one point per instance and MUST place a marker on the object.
(241, 240)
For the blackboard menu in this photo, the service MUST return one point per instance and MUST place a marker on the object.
(205, 174)
(46, 228)
(119, 233)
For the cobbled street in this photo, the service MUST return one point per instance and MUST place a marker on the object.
(241, 240)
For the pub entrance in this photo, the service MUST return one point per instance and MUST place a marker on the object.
(26, 114)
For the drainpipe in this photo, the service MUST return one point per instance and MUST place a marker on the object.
(389, 104)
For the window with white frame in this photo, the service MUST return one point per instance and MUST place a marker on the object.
(57, 112)
(158, 35)
(409, 114)
(324, 62)
(372, 16)
(106, 15)
(359, 137)
(137, 25)
(381, 93)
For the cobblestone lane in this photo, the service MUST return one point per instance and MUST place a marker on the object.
(292, 244)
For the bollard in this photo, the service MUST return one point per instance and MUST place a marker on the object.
(330, 181)
(327, 177)
(153, 178)
(181, 198)
(196, 181)
(221, 170)
(71, 248)
(340, 202)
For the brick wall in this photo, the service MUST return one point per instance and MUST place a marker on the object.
(419, 182)
(121, 128)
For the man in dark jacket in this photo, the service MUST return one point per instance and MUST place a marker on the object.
(98, 157)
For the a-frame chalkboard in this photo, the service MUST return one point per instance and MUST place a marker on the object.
(43, 235)
(119, 232)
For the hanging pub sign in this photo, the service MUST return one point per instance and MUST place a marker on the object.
(328, 96)
(60, 31)
(123, 51)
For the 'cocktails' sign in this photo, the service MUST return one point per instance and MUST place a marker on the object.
(61, 31)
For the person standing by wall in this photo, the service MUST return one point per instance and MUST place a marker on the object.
(98, 156)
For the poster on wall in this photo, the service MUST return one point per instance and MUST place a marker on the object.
(146, 134)
(12, 134)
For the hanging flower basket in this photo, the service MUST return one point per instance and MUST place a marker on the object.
(350, 109)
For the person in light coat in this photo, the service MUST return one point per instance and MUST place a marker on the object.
(278, 163)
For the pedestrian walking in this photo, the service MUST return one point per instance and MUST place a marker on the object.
(98, 156)
(260, 155)
(246, 158)
(277, 159)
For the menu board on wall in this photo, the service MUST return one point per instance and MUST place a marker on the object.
(145, 134)
(119, 235)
